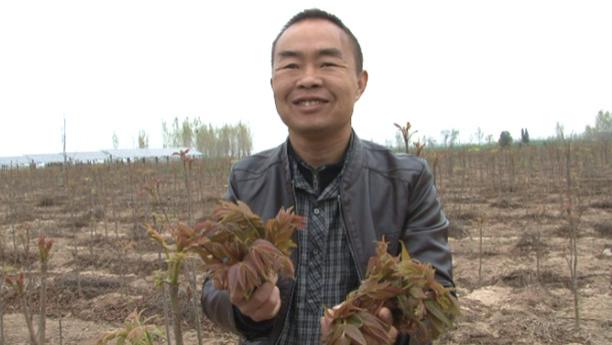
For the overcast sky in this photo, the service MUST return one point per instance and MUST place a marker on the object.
(122, 66)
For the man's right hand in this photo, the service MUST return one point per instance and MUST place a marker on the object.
(264, 303)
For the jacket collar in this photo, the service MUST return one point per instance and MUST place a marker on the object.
(355, 158)
(355, 162)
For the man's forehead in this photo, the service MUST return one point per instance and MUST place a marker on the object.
(311, 29)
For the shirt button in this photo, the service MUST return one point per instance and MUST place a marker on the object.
(316, 211)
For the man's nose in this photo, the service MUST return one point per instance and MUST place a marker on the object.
(310, 78)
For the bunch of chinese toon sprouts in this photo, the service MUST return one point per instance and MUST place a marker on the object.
(420, 305)
(239, 250)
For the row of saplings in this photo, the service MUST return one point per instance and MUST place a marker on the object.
(241, 252)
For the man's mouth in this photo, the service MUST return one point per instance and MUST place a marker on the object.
(309, 102)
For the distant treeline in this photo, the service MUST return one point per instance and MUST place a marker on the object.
(601, 130)
(234, 141)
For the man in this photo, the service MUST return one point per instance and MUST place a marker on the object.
(352, 192)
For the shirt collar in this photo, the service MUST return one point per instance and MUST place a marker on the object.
(325, 173)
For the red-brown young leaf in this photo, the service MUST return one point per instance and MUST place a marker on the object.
(243, 222)
(184, 236)
(375, 329)
(239, 251)
(44, 248)
(243, 280)
(279, 231)
(183, 155)
(17, 282)
(268, 260)
(419, 303)
(353, 333)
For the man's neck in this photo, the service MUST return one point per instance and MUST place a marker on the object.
(318, 151)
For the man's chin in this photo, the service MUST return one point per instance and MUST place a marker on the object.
(313, 132)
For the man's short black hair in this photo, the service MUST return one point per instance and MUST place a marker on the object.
(315, 13)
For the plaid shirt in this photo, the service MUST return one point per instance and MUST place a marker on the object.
(325, 272)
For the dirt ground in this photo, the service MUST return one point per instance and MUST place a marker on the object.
(102, 266)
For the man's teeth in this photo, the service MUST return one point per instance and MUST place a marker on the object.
(309, 102)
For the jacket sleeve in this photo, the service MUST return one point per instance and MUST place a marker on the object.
(426, 229)
(218, 308)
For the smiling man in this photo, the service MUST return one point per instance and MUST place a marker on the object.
(351, 192)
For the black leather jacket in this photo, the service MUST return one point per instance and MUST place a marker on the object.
(382, 195)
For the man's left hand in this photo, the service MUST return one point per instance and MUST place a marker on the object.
(384, 314)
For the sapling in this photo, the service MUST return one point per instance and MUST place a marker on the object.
(174, 254)
(152, 188)
(538, 241)
(1, 307)
(165, 302)
(406, 135)
(187, 167)
(17, 283)
(573, 215)
(187, 164)
(44, 251)
(481, 220)
(194, 300)
(134, 332)
(419, 148)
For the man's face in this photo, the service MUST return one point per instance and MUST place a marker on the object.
(314, 79)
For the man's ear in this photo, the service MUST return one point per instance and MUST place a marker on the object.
(362, 82)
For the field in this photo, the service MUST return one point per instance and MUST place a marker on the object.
(514, 215)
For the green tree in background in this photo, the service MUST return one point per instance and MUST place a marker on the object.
(559, 131)
(115, 141)
(143, 139)
(524, 136)
(603, 126)
(505, 139)
(449, 137)
(233, 141)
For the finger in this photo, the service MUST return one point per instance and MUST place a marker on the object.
(270, 308)
(258, 298)
(392, 334)
(325, 323)
(385, 315)
(327, 318)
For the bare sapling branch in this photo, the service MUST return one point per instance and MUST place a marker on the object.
(44, 251)
(573, 215)
(17, 283)
(187, 163)
(481, 220)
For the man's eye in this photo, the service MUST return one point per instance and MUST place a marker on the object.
(290, 66)
(328, 64)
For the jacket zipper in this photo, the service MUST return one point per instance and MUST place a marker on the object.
(349, 238)
(297, 267)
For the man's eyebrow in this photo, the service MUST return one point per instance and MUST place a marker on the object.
(289, 54)
(333, 52)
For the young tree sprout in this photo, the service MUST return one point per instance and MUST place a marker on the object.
(134, 332)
